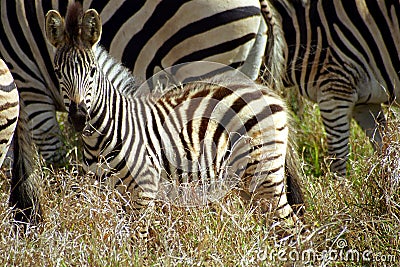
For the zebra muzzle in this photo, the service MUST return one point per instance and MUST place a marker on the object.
(78, 115)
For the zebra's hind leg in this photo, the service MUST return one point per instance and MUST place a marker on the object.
(272, 197)
(372, 120)
(269, 194)
(144, 208)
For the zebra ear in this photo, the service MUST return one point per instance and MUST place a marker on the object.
(54, 28)
(91, 27)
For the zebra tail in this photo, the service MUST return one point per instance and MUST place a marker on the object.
(274, 61)
(294, 178)
(25, 190)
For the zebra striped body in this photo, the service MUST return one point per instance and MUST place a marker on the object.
(201, 133)
(145, 35)
(9, 109)
(342, 54)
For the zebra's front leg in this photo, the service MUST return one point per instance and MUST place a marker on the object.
(336, 116)
(142, 206)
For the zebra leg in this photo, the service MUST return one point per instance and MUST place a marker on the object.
(264, 184)
(251, 67)
(270, 195)
(143, 209)
(335, 113)
(141, 204)
(372, 120)
(25, 189)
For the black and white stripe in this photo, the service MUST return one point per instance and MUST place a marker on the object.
(342, 54)
(9, 109)
(145, 35)
(24, 191)
(200, 132)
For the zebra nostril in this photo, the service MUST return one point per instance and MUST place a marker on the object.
(77, 115)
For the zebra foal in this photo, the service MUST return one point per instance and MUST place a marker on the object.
(200, 132)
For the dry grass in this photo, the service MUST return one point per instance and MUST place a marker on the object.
(86, 226)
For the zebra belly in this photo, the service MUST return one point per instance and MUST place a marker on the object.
(374, 92)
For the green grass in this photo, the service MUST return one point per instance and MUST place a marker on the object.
(84, 225)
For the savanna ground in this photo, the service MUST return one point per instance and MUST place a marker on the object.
(352, 222)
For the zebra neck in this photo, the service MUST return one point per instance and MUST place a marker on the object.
(112, 108)
(117, 123)
(105, 96)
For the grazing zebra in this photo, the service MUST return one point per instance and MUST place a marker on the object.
(342, 54)
(24, 190)
(200, 132)
(145, 35)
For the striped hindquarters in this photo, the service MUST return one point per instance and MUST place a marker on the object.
(9, 109)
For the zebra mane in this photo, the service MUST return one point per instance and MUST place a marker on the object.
(121, 77)
(72, 22)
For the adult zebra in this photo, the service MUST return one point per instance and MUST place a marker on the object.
(24, 191)
(145, 35)
(202, 132)
(342, 54)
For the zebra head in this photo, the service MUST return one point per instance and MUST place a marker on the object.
(75, 64)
